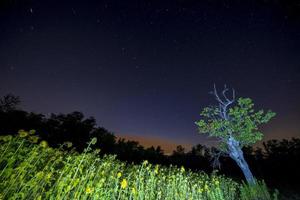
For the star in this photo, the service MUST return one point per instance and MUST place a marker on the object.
(11, 68)
(73, 11)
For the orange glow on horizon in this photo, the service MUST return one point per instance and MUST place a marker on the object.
(147, 141)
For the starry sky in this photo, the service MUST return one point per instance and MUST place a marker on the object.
(144, 68)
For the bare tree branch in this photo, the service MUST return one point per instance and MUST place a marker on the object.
(223, 104)
(224, 93)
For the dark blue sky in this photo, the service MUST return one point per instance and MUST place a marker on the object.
(145, 67)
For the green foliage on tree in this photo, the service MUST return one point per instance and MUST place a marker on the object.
(241, 122)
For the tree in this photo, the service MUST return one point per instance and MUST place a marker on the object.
(235, 124)
(179, 150)
(73, 127)
(9, 102)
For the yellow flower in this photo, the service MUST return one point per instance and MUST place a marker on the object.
(75, 183)
(40, 174)
(94, 140)
(133, 190)
(32, 132)
(156, 169)
(97, 151)
(22, 133)
(119, 174)
(49, 175)
(44, 144)
(182, 169)
(33, 139)
(69, 144)
(200, 190)
(145, 162)
(123, 184)
(88, 190)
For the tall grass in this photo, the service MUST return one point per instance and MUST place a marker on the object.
(29, 169)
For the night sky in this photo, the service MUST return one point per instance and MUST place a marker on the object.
(144, 68)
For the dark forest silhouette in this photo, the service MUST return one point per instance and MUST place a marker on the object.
(277, 161)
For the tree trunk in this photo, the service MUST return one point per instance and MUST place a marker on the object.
(236, 153)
